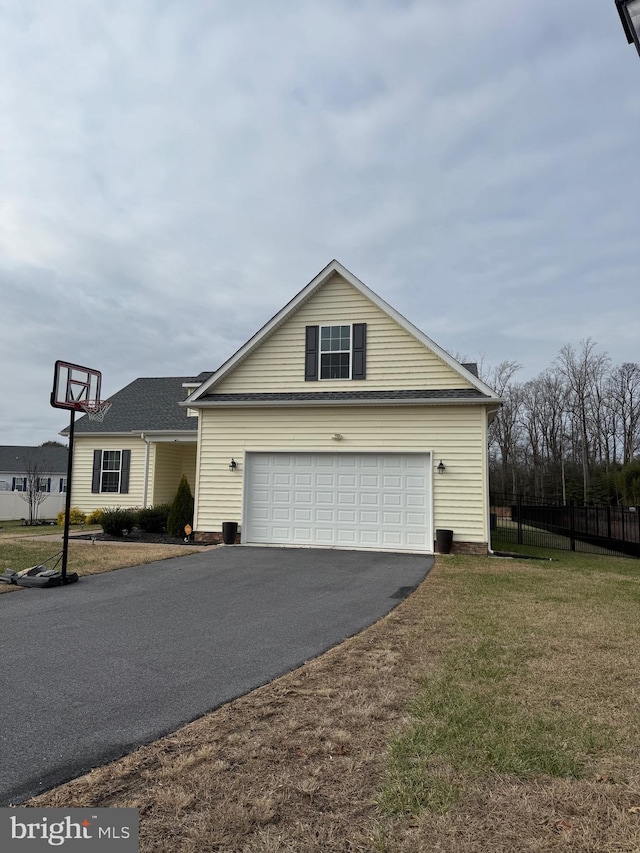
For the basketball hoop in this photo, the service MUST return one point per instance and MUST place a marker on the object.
(95, 409)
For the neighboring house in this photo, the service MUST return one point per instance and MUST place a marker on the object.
(138, 454)
(16, 463)
(326, 428)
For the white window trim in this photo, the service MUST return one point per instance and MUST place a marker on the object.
(322, 326)
(104, 471)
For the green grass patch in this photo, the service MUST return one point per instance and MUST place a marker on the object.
(23, 555)
(495, 704)
(465, 723)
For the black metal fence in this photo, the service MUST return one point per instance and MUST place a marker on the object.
(595, 529)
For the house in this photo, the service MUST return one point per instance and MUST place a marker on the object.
(138, 454)
(338, 424)
(19, 465)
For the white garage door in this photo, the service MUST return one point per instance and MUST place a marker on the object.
(357, 500)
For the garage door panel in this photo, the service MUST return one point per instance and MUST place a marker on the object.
(346, 537)
(369, 498)
(347, 481)
(326, 480)
(325, 516)
(361, 500)
(347, 516)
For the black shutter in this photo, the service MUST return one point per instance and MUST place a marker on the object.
(311, 354)
(97, 470)
(359, 351)
(124, 472)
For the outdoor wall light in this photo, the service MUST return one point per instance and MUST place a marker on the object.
(233, 465)
(441, 467)
(337, 436)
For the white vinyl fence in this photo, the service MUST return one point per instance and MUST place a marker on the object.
(13, 507)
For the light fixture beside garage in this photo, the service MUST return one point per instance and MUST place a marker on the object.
(233, 465)
(337, 436)
(441, 467)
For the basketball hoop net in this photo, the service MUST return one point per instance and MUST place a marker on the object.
(95, 409)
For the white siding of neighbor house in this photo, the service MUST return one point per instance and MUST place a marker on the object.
(395, 359)
(13, 507)
(455, 434)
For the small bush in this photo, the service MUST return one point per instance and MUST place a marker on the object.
(181, 510)
(153, 519)
(95, 517)
(116, 520)
(76, 516)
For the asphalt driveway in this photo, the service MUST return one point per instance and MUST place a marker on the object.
(92, 670)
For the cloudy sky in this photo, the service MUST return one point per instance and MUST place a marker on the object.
(174, 172)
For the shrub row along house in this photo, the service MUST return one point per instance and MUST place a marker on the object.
(338, 424)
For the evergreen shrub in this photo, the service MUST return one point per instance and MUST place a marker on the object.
(181, 512)
(116, 520)
(153, 519)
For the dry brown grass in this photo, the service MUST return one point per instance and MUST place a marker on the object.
(86, 557)
(298, 766)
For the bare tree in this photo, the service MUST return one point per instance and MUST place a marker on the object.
(584, 373)
(504, 432)
(624, 389)
(36, 479)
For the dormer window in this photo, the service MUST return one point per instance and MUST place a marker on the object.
(336, 352)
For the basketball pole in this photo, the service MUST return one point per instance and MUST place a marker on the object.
(67, 511)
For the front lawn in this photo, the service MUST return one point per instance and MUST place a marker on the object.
(496, 709)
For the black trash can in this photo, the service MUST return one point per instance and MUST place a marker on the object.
(229, 531)
(444, 540)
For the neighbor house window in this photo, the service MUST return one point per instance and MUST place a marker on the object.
(63, 485)
(19, 484)
(111, 471)
(44, 484)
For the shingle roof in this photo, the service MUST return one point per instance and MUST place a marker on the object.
(346, 396)
(145, 404)
(53, 460)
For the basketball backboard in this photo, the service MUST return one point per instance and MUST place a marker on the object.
(73, 385)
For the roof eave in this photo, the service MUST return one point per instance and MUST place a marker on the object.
(389, 401)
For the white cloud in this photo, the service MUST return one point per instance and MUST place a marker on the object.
(174, 173)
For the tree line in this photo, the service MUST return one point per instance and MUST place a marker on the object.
(571, 433)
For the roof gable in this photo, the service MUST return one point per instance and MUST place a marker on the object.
(51, 460)
(398, 354)
(145, 405)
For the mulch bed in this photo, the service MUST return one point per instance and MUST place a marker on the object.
(135, 536)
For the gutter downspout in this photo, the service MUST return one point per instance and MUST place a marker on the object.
(146, 469)
(491, 413)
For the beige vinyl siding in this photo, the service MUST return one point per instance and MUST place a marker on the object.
(455, 434)
(395, 359)
(81, 494)
(170, 462)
